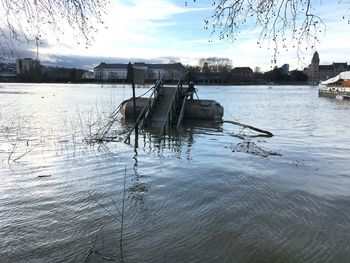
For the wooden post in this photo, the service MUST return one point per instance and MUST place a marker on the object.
(134, 114)
(130, 77)
(133, 99)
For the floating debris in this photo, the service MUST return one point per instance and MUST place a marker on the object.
(297, 162)
(252, 148)
(44, 175)
(13, 92)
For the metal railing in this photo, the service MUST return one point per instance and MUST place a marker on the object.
(182, 112)
(151, 102)
(172, 108)
(147, 109)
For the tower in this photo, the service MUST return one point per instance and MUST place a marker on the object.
(314, 75)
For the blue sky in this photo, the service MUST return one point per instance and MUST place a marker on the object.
(163, 30)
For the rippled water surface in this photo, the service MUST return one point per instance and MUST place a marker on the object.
(194, 198)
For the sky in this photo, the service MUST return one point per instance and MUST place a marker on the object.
(160, 31)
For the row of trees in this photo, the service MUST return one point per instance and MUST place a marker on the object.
(276, 75)
(220, 70)
(51, 75)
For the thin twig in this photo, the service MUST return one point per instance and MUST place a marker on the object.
(31, 149)
(12, 151)
(114, 216)
(122, 221)
(116, 207)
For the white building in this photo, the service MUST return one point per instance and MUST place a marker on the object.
(89, 75)
(151, 72)
(111, 71)
(26, 65)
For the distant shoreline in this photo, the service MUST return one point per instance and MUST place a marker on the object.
(294, 83)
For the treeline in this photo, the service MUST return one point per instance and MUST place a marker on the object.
(52, 75)
(277, 75)
(220, 71)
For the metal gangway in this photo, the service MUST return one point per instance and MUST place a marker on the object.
(166, 105)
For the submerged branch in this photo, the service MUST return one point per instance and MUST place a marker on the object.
(265, 133)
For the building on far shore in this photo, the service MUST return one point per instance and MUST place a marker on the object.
(89, 75)
(7, 72)
(143, 72)
(317, 72)
(285, 69)
(26, 66)
(240, 74)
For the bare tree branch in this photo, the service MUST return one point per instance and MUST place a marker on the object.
(282, 23)
(24, 21)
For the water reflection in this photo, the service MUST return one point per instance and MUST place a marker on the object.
(176, 141)
(138, 188)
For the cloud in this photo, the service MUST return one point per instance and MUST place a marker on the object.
(128, 25)
(158, 30)
(89, 62)
(141, 29)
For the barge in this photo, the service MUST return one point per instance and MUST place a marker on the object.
(337, 87)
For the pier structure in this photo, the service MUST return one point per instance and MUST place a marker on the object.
(164, 108)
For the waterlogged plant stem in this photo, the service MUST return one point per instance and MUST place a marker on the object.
(31, 149)
(122, 223)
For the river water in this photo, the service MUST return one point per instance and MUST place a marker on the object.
(196, 197)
